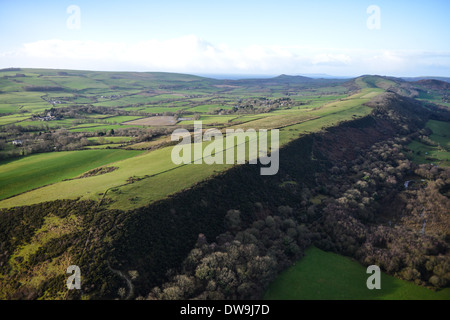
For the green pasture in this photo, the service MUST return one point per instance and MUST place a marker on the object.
(21, 98)
(63, 123)
(441, 132)
(165, 97)
(35, 81)
(76, 82)
(124, 101)
(120, 119)
(440, 154)
(104, 146)
(13, 119)
(30, 172)
(9, 108)
(94, 127)
(321, 275)
(155, 109)
(138, 164)
(110, 139)
(423, 153)
(207, 107)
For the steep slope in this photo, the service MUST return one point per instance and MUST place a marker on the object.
(115, 248)
(153, 239)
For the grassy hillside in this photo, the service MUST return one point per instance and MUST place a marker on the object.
(162, 206)
(151, 168)
(324, 275)
(38, 170)
(374, 82)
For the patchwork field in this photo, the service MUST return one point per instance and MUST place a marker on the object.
(155, 167)
(305, 110)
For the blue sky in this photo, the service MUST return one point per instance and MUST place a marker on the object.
(246, 36)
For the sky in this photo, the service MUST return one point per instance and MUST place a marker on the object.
(335, 37)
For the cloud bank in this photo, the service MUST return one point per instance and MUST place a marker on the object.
(191, 54)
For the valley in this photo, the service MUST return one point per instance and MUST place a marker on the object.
(87, 178)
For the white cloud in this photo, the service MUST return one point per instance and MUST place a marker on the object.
(192, 54)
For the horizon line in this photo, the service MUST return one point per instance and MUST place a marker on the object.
(243, 75)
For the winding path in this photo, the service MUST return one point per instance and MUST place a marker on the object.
(123, 276)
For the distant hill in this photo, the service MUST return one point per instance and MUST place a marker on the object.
(288, 78)
(324, 76)
(375, 81)
(284, 79)
(414, 79)
(433, 84)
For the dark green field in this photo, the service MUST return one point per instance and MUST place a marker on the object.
(323, 275)
(437, 152)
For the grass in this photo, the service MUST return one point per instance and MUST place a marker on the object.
(9, 108)
(110, 139)
(12, 119)
(149, 144)
(120, 119)
(89, 188)
(441, 132)
(321, 275)
(374, 82)
(325, 117)
(207, 107)
(94, 127)
(433, 96)
(164, 97)
(154, 109)
(64, 123)
(43, 169)
(148, 190)
(21, 98)
(104, 146)
(124, 101)
(159, 177)
(423, 153)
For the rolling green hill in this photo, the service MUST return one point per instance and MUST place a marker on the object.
(116, 201)
(151, 168)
